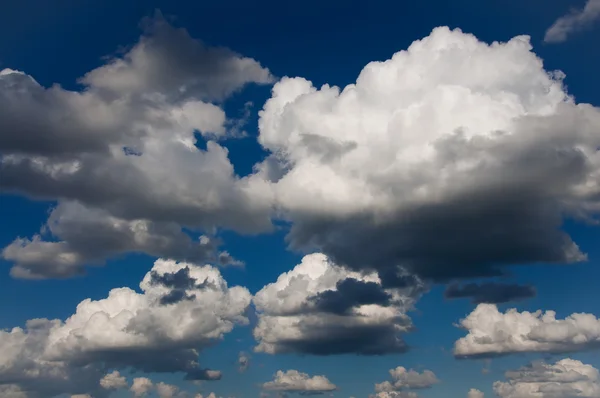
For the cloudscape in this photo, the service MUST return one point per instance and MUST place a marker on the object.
(340, 199)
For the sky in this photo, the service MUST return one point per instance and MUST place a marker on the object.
(340, 199)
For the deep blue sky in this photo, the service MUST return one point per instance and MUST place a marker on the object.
(323, 41)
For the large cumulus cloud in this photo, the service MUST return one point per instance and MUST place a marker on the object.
(491, 332)
(565, 378)
(451, 159)
(127, 329)
(321, 308)
(121, 158)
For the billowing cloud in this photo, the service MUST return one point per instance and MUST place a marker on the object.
(574, 21)
(404, 379)
(298, 382)
(120, 155)
(321, 308)
(113, 381)
(490, 292)
(565, 378)
(126, 330)
(491, 332)
(451, 159)
(475, 393)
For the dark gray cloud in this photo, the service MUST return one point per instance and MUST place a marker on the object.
(350, 293)
(120, 155)
(341, 339)
(180, 283)
(490, 292)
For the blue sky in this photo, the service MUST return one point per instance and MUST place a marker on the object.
(325, 43)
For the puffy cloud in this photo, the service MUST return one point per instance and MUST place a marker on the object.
(574, 21)
(490, 292)
(141, 386)
(165, 390)
(294, 381)
(243, 362)
(451, 159)
(475, 393)
(121, 155)
(394, 394)
(491, 332)
(113, 381)
(565, 378)
(404, 379)
(321, 308)
(126, 330)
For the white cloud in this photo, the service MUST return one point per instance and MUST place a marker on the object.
(294, 381)
(491, 332)
(321, 308)
(165, 390)
(404, 379)
(574, 21)
(182, 309)
(452, 158)
(565, 378)
(113, 381)
(475, 393)
(141, 386)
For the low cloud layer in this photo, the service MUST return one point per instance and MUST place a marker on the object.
(491, 332)
(565, 378)
(125, 330)
(323, 309)
(490, 292)
(292, 381)
(573, 22)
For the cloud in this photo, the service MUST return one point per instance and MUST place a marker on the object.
(404, 379)
(298, 382)
(165, 390)
(491, 332)
(490, 292)
(322, 309)
(125, 330)
(394, 394)
(243, 362)
(452, 159)
(565, 378)
(168, 61)
(121, 158)
(90, 235)
(113, 381)
(574, 21)
(475, 393)
(141, 386)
